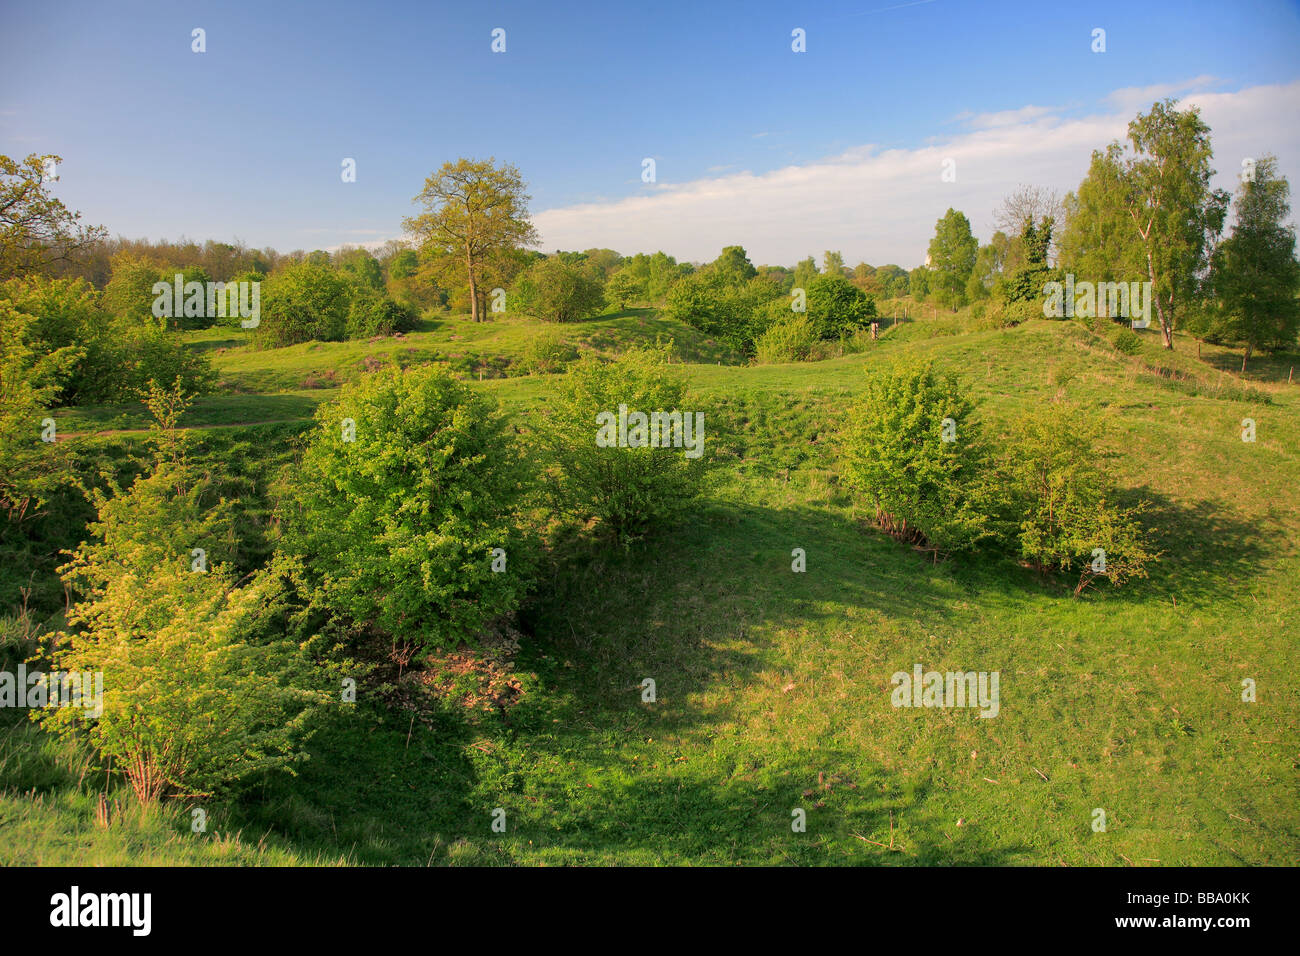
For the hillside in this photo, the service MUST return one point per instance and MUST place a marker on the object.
(773, 687)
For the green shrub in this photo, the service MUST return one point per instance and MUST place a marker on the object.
(837, 307)
(735, 314)
(303, 302)
(1056, 485)
(547, 353)
(556, 291)
(201, 685)
(923, 489)
(789, 339)
(198, 691)
(409, 482)
(630, 490)
(31, 471)
(102, 359)
(372, 313)
(1126, 341)
(1001, 314)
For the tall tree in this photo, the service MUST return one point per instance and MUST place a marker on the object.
(1255, 273)
(919, 283)
(1027, 283)
(1098, 242)
(733, 266)
(1169, 202)
(832, 263)
(952, 258)
(805, 270)
(36, 229)
(473, 209)
(988, 268)
(1030, 204)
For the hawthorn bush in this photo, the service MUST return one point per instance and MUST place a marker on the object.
(409, 483)
(837, 307)
(557, 291)
(923, 490)
(303, 302)
(199, 690)
(789, 339)
(205, 679)
(629, 490)
(372, 313)
(1055, 482)
(1041, 492)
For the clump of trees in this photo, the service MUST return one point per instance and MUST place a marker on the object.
(1145, 212)
(734, 301)
(1040, 492)
(1146, 209)
(102, 357)
(555, 290)
(313, 301)
(1254, 276)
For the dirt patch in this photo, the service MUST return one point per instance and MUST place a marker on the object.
(325, 379)
(479, 679)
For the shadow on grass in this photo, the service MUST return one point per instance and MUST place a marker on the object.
(850, 816)
(1262, 367)
(211, 345)
(1209, 553)
(376, 790)
(589, 773)
(688, 603)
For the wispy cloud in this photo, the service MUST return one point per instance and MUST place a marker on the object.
(1140, 97)
(1006, 117)
(881, 205)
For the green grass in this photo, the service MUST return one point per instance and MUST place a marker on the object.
(493, 349)
(773, 687)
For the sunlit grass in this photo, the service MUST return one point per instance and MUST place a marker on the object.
(773, 688)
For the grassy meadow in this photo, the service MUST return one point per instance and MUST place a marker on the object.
(773, 687)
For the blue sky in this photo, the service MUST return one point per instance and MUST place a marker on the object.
(784, 153)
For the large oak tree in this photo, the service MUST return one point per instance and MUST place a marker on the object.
(475, 211)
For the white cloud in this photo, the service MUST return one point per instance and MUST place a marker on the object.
(1005, 117)
(881, 205)
(1132, 98)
